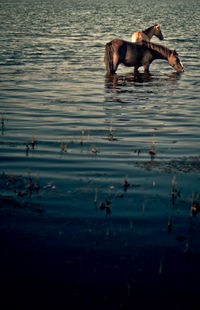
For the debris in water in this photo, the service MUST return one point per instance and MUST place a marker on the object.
(94, 149)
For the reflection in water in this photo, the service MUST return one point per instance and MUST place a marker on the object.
(112, 81)
(130, 79)
(174, 76)
(126, 84)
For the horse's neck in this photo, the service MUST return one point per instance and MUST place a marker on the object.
(159, 52)
(158, 55)
(149, 32)
(145, 37)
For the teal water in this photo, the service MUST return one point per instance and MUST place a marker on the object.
(99, 176)
(79, 135)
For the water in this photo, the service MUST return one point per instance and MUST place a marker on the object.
(98, 175)
(78, 135)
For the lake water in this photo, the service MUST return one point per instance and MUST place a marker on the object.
(92, 133)
(74, 143)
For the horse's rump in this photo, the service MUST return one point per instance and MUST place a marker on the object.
(114, 53)
(119, 51)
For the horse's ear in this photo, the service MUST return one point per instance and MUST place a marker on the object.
(175, 53)
(157, 26)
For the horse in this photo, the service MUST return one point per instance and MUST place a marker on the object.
(138, 54)
(147, 34)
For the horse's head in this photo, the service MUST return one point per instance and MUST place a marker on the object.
(157, 32)
(175, 62)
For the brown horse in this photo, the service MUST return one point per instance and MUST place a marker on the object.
(138, 54)
(147, 34)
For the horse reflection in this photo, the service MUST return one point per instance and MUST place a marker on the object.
(115, 80)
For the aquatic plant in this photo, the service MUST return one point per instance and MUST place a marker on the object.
(138, 151)
(169, 224)
(30, 145)
(33, 143)
(126, 184)
(27, 148)
(110, 133)
(3, 119)
(173, 187)
(23, 188)
(96, 196)
(152, 150)
(81, 137)
(105, 206)
(64, 146)
(175, 193)
(94, 149)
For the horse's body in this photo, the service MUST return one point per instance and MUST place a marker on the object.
(138, 54)
(147, 34)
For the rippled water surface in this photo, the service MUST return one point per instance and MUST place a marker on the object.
(73, 140)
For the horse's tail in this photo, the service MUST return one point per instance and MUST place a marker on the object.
(108, 58)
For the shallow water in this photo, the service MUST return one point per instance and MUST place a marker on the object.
(71, 137)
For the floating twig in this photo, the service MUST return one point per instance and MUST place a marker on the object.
(94, 149)
(95, 197)
(81, 137)
(169, 224)
(152, 150)
(126, 184)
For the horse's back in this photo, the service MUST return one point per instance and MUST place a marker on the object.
(119, 43)
(139, 36)
(127, 48)
(116, 43)
(136, 36)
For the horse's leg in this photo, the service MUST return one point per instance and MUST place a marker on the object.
(136, 69)
(146, 67)
(115, 61)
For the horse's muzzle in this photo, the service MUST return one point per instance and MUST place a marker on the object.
(180, 70)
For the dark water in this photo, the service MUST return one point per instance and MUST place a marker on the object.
(71, 136)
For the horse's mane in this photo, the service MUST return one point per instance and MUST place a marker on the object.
(147, 30)
(163, 50)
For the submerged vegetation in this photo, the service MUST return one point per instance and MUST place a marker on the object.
(182, 165)
(3, 122)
